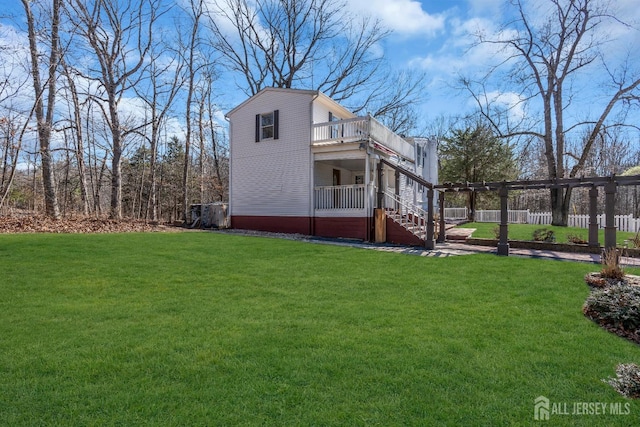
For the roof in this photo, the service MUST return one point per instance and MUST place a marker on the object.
(311, 93)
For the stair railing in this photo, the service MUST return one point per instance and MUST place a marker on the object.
(408, 215)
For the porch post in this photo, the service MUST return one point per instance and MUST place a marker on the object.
(503, 243)
(380, 188)
(593, 217)
(609, 210)
(441, 232)
(429, 243)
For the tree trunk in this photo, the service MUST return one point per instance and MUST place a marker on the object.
(560, 203)
(45, 123)
(116, 183)
(116, 160)
(472, 206)
(79, 135)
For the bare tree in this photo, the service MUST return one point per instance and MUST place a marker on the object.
(165, 78)
(192, 58)
(543, 59)
(45, 119)
(75, 119)
(220, 153)
(119, 34)
(310, 44)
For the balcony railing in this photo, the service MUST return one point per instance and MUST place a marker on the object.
(339, 197)
(361, 129)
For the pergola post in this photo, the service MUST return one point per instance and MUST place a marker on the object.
(593, 217)
(609, 210)
(503, 243)
(429, 242)
(441, 229)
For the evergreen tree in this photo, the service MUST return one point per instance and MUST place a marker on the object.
(475, 154)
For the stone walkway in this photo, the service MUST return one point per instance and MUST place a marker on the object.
(442, 249)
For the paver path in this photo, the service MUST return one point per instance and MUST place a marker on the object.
(442, 249)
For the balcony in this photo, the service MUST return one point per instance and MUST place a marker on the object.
(361, 129)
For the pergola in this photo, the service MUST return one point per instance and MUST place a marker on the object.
(610, 184)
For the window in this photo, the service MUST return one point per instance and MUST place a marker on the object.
(267, 126)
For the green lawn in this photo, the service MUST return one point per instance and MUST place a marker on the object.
(210, 329)
(485, 230)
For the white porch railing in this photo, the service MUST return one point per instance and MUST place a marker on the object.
(349, 130)
(361, 129)
(339, 197)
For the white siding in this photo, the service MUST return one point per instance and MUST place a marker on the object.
(323, 105)
(272, 177)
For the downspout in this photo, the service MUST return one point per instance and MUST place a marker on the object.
(312, 207)
(368, 202)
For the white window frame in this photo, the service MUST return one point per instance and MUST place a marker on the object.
(267, 131)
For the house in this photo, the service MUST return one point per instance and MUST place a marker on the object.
(302, 163)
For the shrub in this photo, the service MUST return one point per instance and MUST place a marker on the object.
(636, 240)
(577, 239)
(610, 260)
(544, 235)
(496, 231)
(628, 381)
(617, 309)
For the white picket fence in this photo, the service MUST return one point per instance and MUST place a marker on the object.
(622, 222)
(456, 213)
(514, 217)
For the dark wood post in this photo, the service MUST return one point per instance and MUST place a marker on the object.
(441, 233)
(503, 243)
(593, 217)
(397, 191)
(609, 210)
(380, 186)
(429, 243)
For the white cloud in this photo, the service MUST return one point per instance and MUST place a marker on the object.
(510, 101)
(406, 17)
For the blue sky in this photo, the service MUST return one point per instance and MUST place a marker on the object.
(435, 36)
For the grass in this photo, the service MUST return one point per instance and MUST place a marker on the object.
(213, 329)
(485, 230)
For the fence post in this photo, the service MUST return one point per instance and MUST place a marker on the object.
(503, 243)
(593, 217)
